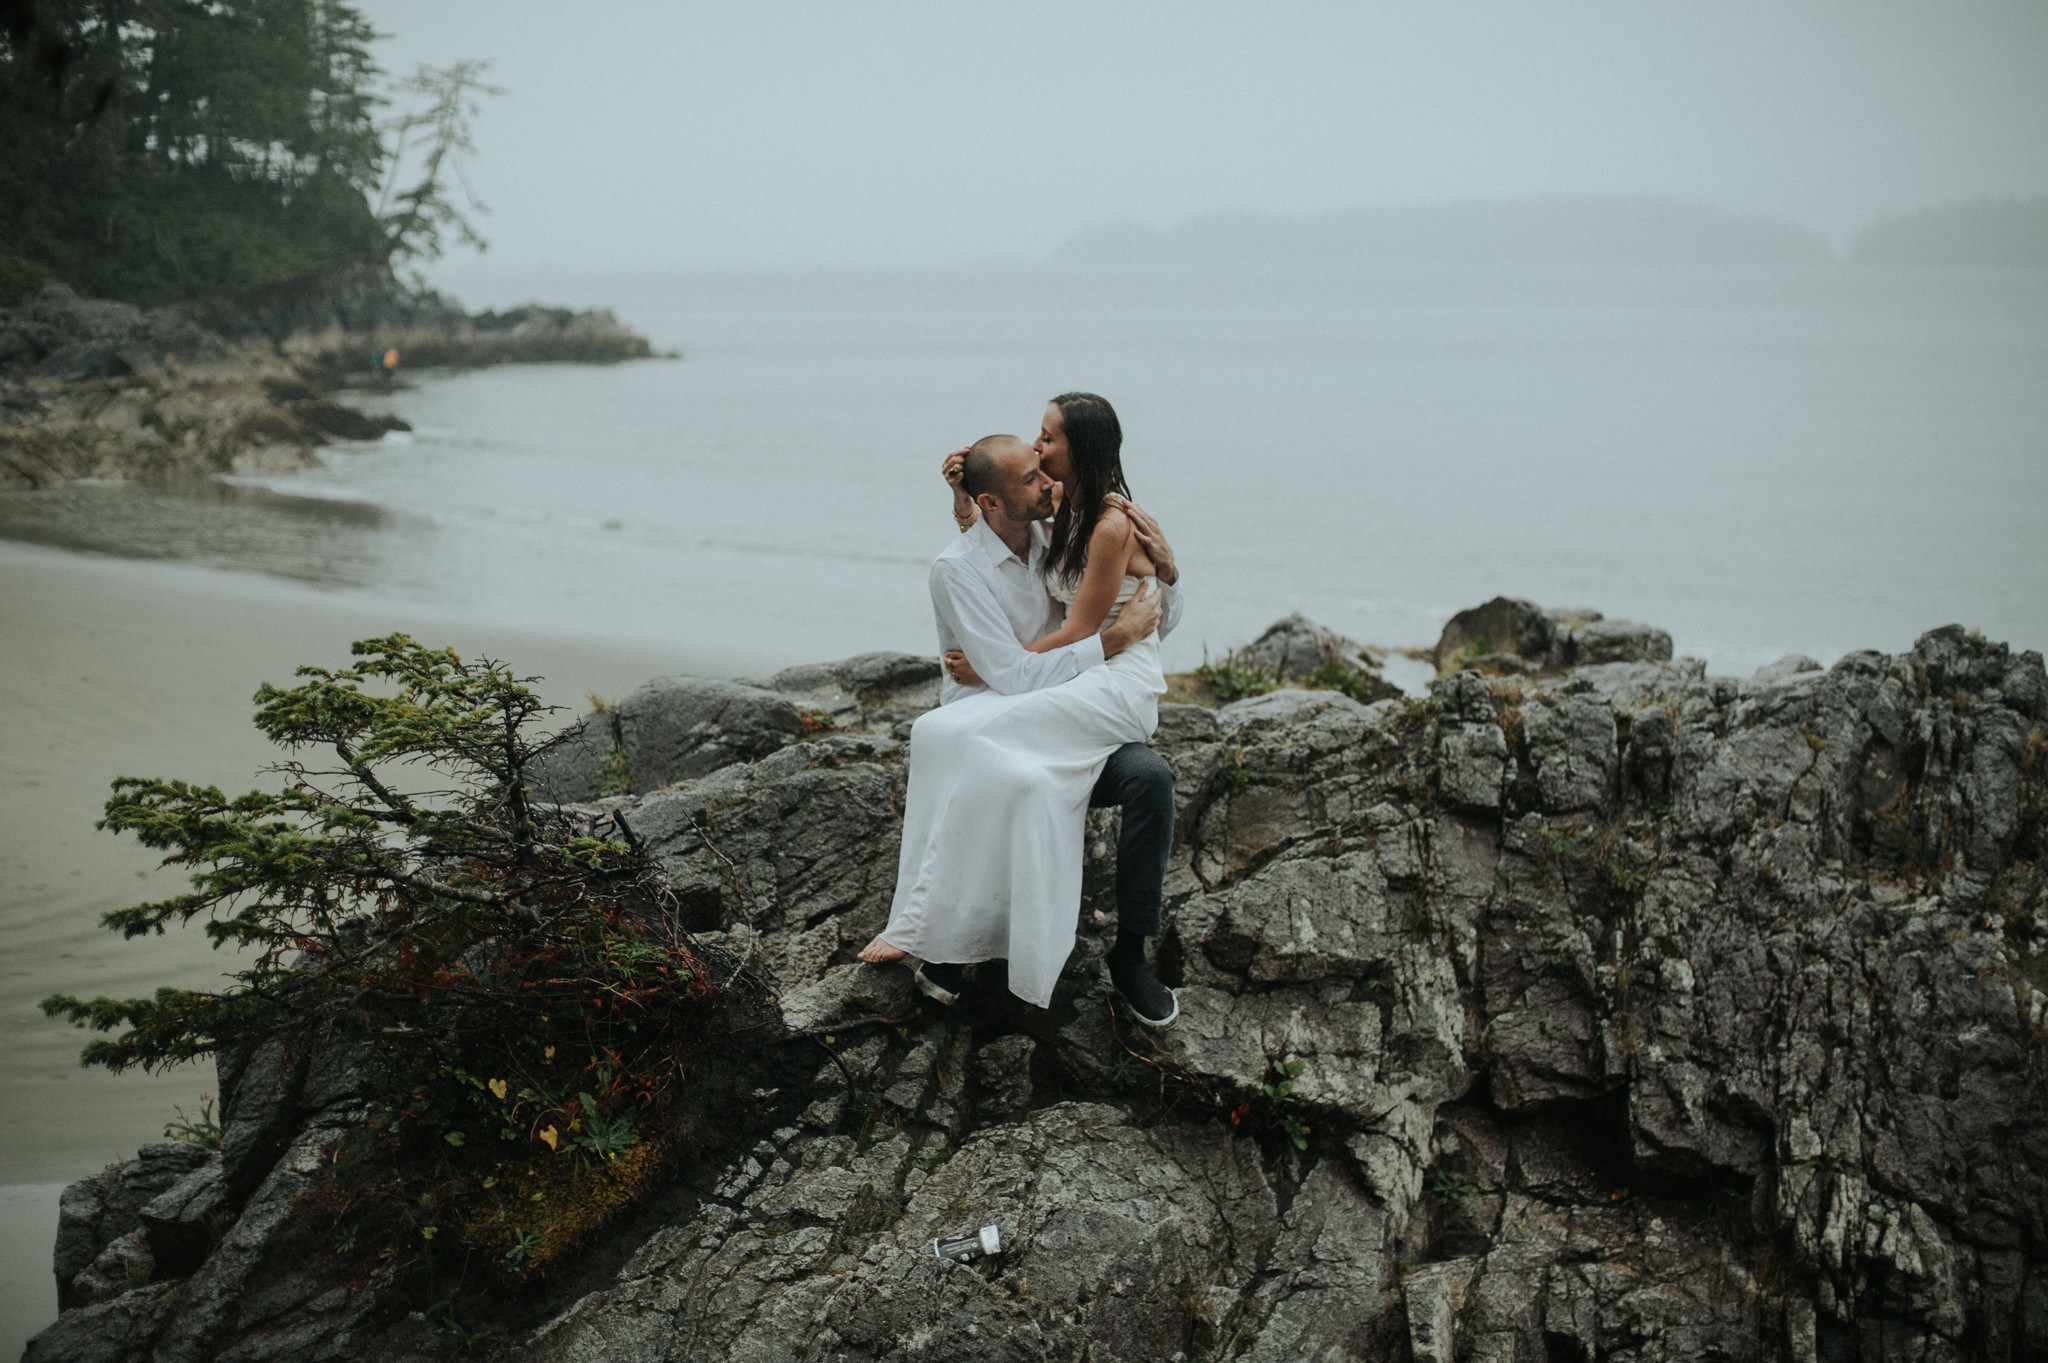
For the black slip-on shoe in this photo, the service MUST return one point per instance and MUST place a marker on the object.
(1150, 1002)
(940, 982)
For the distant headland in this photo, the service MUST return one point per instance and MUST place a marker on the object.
(1569, 231)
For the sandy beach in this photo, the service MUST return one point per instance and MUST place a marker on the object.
(109, 668)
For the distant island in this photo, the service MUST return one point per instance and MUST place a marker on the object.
(1588, 231)
(1987, 232)
(1580, 231)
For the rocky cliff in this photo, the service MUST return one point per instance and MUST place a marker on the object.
(1626, 1014)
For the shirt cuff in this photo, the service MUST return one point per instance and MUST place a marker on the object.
(1169, 604)
(1087, 653)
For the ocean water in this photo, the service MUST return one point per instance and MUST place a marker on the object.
(1762, 461)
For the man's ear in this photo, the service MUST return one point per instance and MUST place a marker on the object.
(990, 504)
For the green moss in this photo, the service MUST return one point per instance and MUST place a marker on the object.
(616, 777)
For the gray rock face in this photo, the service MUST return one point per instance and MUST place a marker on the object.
(1785, 669)
(671, 729)
(1504, 625)
(93, 1213)
(790, 860)
(1296, 651)
(59, 335)
(848, 993)
(1512, 636)
(1631, 1015)
(871, 679)
(182, 1243)
(675, 729)
(1292, 648)
(181, 1223)
(125, 1263)
(115, 1331)
(1611, 641)
(1003, 1068)
(1111, 1232)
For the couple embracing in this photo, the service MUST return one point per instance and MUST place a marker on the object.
(1049, 609)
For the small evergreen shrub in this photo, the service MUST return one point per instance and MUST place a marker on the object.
(518, 991)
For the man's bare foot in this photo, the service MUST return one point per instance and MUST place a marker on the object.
(879, 952)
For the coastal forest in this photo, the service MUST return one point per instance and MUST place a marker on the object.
(169, 151)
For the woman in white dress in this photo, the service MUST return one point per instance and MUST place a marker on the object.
(999, 785)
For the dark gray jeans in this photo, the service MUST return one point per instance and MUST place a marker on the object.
(1139, 780)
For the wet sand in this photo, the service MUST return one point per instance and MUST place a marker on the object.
(112, 668)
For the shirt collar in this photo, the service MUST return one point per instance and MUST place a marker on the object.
(996, 552)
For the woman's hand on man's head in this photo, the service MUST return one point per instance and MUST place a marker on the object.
(953, 468)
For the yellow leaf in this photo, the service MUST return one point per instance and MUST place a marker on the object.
(549, 1053)
(497, 1087)
(552, 1137)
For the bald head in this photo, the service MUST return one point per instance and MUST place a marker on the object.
(1003, 470)
(983, 470)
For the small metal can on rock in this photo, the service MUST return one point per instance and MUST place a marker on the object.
(965, 1249)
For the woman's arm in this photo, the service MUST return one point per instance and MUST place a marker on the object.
(1109, 555)
(952, 468)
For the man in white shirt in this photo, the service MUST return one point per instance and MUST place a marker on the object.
(990, 600)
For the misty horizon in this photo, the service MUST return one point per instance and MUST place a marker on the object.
(1581, 230)
(712, 136)
(1559, 230)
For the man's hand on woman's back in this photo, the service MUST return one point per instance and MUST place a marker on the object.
(1139, 617)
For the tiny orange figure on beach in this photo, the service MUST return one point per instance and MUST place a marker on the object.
(391, 359)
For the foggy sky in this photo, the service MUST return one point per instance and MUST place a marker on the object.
(673, 135)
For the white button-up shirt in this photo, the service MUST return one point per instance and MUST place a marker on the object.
(991, 603)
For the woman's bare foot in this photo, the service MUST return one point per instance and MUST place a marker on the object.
(879, 952)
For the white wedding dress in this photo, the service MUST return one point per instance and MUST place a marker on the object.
(998, 807)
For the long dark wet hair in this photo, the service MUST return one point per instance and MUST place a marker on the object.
(1095, 442)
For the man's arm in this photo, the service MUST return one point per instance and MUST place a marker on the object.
(967, 612)
(1138, 619)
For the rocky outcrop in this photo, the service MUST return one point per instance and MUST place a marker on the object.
(1292, 649)
(343, 324)
(93, 389)
(1511, 636)
(97, 389)
(58, 335)
(1629, 1014)
(675, 729)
